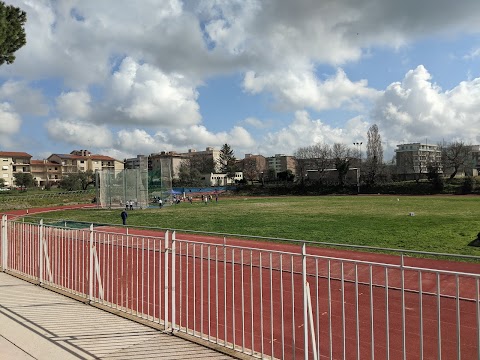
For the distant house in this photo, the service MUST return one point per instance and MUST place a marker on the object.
(167, 162)
(83, 160)
(215, 179)
(414, 159)
(254, 167)
(13, 162)
(45, 172)
(281, 163)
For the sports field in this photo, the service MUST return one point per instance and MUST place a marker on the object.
(364, 303)
(445, 224)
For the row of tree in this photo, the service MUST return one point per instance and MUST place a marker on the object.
(341, 157)
(191, 170)
(71, 182)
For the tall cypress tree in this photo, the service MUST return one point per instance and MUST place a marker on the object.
(374, 154)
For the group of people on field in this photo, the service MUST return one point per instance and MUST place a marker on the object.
(129, 204)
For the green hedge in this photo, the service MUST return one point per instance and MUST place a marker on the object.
(423, 187)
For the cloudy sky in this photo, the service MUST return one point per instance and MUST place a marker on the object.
(125, 77)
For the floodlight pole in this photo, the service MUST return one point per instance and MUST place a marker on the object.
(359, 149)
(358, 144)
(358, 180)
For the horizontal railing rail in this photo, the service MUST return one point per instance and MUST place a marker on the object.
(264, 302)
(275, 239)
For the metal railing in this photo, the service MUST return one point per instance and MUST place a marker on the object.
(257, 301)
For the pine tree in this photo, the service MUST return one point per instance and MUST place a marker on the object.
(227, 161)
(12, 32)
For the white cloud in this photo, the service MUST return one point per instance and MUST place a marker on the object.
(240, 138)
(81, 134)
(138, 141)
(256, 123)
(200, 137)
(142, 94)
(74, 105)
(137, 65)
(205, 37)
(11, 121)
(301, 89)
(475, 53)
(416, 109)
(128, 143)
(304, 131)
(24, 99)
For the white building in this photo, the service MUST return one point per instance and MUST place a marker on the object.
(414, 159)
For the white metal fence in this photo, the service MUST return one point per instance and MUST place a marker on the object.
(261, 302)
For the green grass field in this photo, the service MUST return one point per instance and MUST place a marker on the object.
(16, 199)
(443, 224)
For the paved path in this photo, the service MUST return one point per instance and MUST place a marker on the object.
(36, 323)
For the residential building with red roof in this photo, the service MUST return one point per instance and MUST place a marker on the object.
(13, 162)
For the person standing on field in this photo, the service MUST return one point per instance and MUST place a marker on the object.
(124, 216)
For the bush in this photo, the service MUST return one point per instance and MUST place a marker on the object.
(468, 185)
(438, 184)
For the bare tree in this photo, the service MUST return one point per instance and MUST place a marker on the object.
(374, 154)
(251, 170)
(341, 156)
(316, 157)
(204, 165)
(301, 156)
(454, 156)
(322, 157)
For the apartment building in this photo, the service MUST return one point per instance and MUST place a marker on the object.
(474, 161)
(253, 166)
(280, 163)
(139, 162)
(45, 173)
(414, 159)
(207, 159)
(83, 160)
(13, 162)
(168, 161)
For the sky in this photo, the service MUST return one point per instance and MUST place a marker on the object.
(122, 77)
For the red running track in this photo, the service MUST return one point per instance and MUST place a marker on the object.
(242, 296)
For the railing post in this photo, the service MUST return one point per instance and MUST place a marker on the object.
(305, 301)
(310, 320)
(40, 252)
(173, 280)
(402, 290)
(3, 243)
(90, 262)
(166, 281)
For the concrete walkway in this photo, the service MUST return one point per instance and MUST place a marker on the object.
(36, 323)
